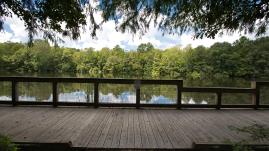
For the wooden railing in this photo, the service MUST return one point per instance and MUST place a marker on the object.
(219, 91)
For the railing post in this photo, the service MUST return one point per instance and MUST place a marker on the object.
(219, 98)
(96, 95)
(179, 93)
(55, 94)
(256, 95)
(14, 93)
(137, 92)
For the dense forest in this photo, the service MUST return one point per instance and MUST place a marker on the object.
(243, 58)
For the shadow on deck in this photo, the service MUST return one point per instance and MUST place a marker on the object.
(69, 147)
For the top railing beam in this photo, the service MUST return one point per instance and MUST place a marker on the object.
(88, 80)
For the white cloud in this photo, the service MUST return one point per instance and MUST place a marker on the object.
(5, 36)
(16, 31)
(109, 37)
(186, 39)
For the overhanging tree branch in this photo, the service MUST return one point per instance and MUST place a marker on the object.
(206, 18)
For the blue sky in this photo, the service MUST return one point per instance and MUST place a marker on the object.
(14, 31)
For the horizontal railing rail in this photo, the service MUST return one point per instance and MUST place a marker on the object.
(219, 91)
(87, 80)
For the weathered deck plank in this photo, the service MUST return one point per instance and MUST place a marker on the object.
(125, 128)
(116, 138)
(113, 130)
(138, 139)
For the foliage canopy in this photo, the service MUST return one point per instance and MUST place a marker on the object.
(206, 18)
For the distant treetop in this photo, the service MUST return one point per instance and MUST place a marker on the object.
(205, 18)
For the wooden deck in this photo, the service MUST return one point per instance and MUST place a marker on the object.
(125, 128)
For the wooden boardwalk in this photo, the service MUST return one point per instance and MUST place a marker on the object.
(125, 128)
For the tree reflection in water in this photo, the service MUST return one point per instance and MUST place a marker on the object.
(125, 93)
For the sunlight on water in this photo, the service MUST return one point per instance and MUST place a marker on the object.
(198, 98)
(158, 100)
(5, 98)
(125, 97)
(191, 101)
(78, 96)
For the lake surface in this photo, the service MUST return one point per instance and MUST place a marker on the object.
(125, 93)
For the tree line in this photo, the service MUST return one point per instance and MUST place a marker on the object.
(243, 58)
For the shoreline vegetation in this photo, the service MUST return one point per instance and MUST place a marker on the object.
(244, 58)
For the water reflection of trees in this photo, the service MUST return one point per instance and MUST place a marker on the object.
(116, 89)
(43, 91)
(5, 89)
(73, 87)
(237, 98)
(75, 92)
(217, 82)
(148, 91)
(264, 98)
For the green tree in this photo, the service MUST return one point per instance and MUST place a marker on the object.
(24, 60)
(221, 60)
(244, 58)
(175, 62)
(145, 47)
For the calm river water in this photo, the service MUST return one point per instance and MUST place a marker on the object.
(125, 93)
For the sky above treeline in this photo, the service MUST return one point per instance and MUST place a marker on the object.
(14, 31)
